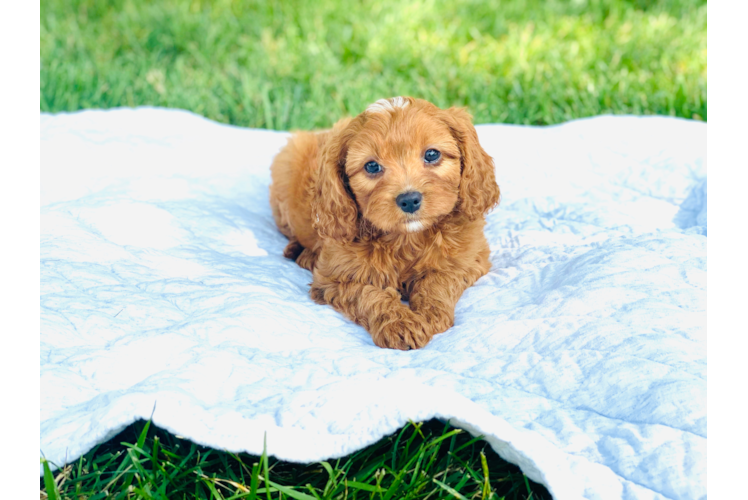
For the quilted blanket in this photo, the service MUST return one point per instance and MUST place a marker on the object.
(581, 356)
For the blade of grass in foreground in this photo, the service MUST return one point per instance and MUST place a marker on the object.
(450, 490)
(49, 481)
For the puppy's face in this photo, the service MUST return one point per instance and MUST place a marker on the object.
(403, 166)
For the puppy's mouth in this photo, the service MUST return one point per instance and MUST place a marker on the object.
(414, 226)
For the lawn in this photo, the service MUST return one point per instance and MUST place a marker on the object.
(423, 460)
(300, 65)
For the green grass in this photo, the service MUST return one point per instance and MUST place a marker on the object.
(298, 65)
(301, 65)
(431, 460)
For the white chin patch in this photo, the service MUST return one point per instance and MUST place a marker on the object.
(387, 105)
(414, 226)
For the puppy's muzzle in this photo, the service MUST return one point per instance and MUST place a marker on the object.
(409, 202)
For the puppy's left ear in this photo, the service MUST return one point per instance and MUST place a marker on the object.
(478, 189)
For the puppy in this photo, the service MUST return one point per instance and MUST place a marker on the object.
(388, 207)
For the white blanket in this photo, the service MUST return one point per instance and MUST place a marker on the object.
(581, 356)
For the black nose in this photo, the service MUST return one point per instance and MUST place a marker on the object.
(409, 202)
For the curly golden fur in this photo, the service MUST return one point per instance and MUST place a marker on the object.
(367, 249)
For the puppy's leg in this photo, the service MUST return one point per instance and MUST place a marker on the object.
(304, 257)
(307, 258)
(435, 296)
(390, 323)
(293, 249)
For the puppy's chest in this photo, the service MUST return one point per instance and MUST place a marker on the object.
(407, 264)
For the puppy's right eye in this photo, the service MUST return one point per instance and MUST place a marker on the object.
(373, 167)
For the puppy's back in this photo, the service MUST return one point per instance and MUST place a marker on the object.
(292, 174)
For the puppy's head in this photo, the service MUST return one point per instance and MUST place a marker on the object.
(401, 165)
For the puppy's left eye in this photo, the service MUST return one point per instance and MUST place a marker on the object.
(432, 155)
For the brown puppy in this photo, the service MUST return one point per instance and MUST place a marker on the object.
(388, 206)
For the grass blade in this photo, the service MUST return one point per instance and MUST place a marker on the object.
(332, 481)
(397, 442)
(144, 434)
(395, 486)
(290, 492)
(49, 481)
(450, 490)
(527, 485)
(365, 487)
(254, 481)
(265, 464)
(486, 482)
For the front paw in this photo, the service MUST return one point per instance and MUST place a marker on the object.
(438, 318)
(403, 334)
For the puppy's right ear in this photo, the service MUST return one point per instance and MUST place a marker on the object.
(334, 210)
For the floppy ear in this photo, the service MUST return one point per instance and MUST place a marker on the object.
(478, 189)
(334, 210)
